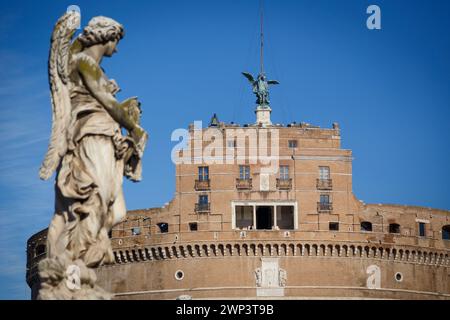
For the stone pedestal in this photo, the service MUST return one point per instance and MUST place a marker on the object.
(263, 115)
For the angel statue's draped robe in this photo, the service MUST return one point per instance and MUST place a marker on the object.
(89, 181)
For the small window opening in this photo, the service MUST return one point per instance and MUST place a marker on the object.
(163, 227)
(193, 226)
(292, 144)
(398, 277)
(394, 228)
(422, 229)
(179, 275)
(40, 249)
(334, 226)
(366, 226)
(446, 232)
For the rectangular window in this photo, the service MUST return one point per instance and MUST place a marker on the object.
(244, 172)
(284, 172)
(324, 198)
(285, 217)
(446, 232)
(231, 143)
(421, 229)
(136, 231)
(203, 199)
(203, 173)
(394, 228)
(193, 226)
(334, 226)
(324, 173)
(292, 144)
(244, 217)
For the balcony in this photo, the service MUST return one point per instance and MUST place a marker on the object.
(324, 207)
(202, 207)
(244, 184)
(324, 184)
(284, 184)
(202, 185)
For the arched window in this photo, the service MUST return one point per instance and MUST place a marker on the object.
(446, 232)
(366, 226)
(394, 228)
(40, 249)
(163, 227)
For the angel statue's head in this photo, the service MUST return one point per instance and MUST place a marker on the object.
(102, 31)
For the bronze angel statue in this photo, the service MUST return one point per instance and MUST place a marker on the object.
(260, 88)
(95, 141)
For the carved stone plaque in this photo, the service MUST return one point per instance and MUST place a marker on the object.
(270, 278)
(264, 182)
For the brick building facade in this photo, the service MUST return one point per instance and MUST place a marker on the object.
(235, 229)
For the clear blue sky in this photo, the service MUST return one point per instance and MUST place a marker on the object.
(388, 89)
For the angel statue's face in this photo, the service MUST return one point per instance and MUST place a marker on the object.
(111, 48)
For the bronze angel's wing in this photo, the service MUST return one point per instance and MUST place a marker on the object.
(58, 72)
(273, 82)
(249, 77)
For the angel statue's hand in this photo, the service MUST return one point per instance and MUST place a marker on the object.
(134, 102)
(133, 109)
(140, 138)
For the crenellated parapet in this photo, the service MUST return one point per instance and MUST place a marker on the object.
(322, 249)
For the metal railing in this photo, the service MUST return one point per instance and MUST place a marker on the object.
(244, 184)
(284, 184)
(324, 184)
(324, 207)
(201, 185)
(202, 207)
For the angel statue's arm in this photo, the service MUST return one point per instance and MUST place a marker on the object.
(91, 74)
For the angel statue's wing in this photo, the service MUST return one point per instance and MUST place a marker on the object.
(249, 77)
(273, 82)
(58, 72)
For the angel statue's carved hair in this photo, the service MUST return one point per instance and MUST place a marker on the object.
(101, 30)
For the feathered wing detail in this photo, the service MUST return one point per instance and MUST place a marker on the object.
(249, 77)
(58, 72)
(273, 82)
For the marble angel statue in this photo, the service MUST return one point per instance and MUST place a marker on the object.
(95, 141)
